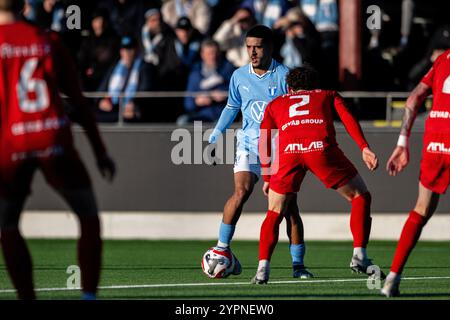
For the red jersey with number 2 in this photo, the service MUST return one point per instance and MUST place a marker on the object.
(32, 119)
(307, 116)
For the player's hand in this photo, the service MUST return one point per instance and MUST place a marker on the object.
(107, 167)
(203, 101)
(105, 105)
(370, 159)
(398, 160)
(265, 188)
(128, 112)
(214, 136)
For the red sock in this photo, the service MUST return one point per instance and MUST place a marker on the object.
(268, 237)
(18, 262)
(89, 254)
(360, 220)
(408, 239)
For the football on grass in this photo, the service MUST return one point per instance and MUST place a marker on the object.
(218, 263)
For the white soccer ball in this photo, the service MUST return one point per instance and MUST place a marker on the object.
(218, 262)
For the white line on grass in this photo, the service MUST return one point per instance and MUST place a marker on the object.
(206, 284)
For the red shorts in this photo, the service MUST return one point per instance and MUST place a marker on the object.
(435, 163)
(65, 171)
(330, 165)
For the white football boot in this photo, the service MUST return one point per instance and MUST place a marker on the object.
(262, 275)
(362, 266)
(391, 286)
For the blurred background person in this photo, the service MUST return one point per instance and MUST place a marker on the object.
(155, 36)
(99, 50)
(324, 14)
(127, 15)
(198, 12)
(267, 12)
(231, 36)
(302, 41)
(212, 75)
(439, 43)
(180, 54)
(130, 75)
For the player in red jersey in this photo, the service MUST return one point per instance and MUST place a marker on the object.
(304, 121)
(35, 133)
(435, 165)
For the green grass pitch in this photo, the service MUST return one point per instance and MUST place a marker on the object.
(173, 268)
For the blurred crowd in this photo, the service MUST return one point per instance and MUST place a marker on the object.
(131, 46)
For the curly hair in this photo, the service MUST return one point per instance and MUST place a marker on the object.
(304, 77)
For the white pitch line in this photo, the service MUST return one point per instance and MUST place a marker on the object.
(206, 284)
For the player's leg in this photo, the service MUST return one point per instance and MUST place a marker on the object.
(15, 181)
(244, 182)
(89, 247)
(15, 251)
(268, 238)
(355, 191)
(297, 247)
(426, 205)
(68, 176)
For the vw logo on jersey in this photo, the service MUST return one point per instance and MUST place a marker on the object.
(257, 110)
(272, 91)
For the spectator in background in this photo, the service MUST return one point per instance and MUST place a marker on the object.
(439, 43)
(267, 12)
(130, 75)
(178, 57)
(302, 41)
(231, 36)
(198, 12)
(48, 14)
(220, 11)
(325, 16)
(155, 36)
(211, 75)
(98, 51)
(126, 15)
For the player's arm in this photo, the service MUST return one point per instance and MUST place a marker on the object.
(400, 157)
(230, 111)
(83, 114)
(265, 146)
(354, 130)
(227, 117)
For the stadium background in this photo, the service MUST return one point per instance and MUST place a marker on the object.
(154, 199)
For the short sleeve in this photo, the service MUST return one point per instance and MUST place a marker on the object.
(429, 77)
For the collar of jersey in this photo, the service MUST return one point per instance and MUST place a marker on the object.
(270, 70)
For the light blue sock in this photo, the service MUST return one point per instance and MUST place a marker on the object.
(297, 253)
(226, 232)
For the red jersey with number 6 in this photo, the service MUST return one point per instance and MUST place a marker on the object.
(438, 78)
(32, 119)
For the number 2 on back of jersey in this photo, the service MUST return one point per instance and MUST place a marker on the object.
(294, 110)
(28, 84)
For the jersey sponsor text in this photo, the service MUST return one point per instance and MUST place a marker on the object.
(303, 148)
(438, 147)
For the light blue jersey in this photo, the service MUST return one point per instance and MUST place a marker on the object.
(250, 94)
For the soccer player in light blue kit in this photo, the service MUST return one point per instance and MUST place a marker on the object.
(252, 87)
